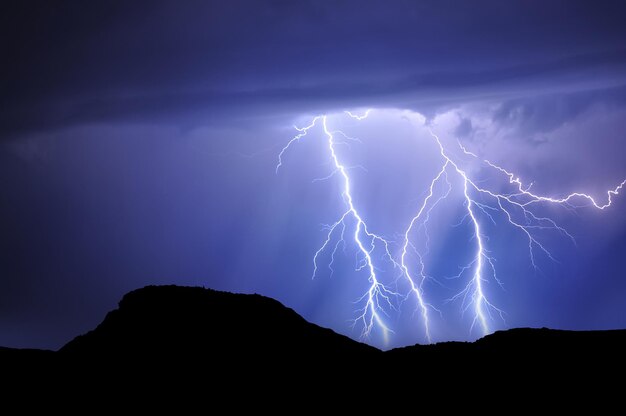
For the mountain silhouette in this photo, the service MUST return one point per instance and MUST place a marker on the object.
(191, 321)
(160, 330)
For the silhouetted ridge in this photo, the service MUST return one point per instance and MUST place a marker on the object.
(192, 321)
(195, 345)
(522, 350)
(175, 329)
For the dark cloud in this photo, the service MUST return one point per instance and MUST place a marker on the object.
(422, 92)
(545, 113)
(72, 62)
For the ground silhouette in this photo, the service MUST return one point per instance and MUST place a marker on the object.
(165, 330)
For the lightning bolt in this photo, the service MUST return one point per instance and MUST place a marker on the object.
(378, 297)
(480, 204)
(359, 117)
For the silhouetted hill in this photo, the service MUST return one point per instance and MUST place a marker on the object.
(158, 330)
(524, 349)
(185, 322)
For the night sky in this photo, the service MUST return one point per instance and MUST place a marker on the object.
(139, 143)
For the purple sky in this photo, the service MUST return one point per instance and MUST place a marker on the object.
(138, 144)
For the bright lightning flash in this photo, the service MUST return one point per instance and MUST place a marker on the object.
(480, 204)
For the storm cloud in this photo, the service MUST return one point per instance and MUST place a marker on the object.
(138, 142)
